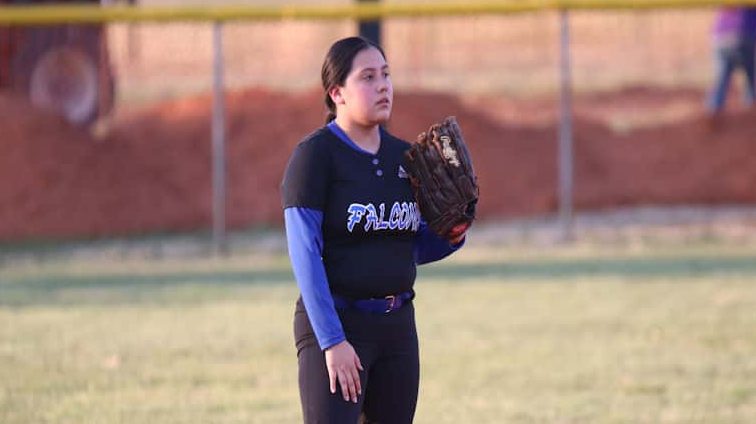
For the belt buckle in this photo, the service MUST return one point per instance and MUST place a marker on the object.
(391, 302)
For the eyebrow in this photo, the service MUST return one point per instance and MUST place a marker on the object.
(373, 69)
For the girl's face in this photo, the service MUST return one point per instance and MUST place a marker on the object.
(367, 94)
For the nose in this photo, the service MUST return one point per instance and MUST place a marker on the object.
(384, 85)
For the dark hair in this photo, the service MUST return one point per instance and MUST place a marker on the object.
(338, 64)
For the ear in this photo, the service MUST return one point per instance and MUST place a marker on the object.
(335, 93)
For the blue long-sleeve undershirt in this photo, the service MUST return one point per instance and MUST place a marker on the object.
(429, 247)
(304, 237)
(305, 242)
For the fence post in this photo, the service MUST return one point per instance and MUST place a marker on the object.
(371, 29)
(565, 131)
(218, 145)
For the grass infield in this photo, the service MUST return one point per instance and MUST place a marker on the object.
(557, 335)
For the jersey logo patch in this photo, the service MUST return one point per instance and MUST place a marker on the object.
(402, 216)
(402, 173)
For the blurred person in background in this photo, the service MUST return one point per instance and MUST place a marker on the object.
(355, 237)
(734, 36)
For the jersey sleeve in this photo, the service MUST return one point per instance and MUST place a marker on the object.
(305, 241)
(429, 247)
(305, 181)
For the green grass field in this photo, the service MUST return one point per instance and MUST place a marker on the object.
(558, 335)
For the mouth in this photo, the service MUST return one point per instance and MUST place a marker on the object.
(383, 102)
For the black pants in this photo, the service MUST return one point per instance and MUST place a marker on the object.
(387, 347)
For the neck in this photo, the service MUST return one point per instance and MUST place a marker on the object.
(367, 138)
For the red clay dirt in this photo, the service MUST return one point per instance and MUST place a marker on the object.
(152, 173)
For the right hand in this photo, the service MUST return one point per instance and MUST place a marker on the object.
(343, 365)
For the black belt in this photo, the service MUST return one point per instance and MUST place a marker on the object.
(380, 305)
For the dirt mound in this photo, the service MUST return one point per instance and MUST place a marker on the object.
(152, 173)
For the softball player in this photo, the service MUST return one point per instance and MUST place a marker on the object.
(355, 236)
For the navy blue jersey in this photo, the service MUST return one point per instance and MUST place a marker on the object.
(352, 225)
(369, 214)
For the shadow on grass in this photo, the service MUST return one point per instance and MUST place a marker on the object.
(140, 286)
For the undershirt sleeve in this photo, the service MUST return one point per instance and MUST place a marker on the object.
(429, 247)
(305, 241)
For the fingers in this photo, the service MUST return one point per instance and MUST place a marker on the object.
(348, 386)
(347, 382)
(332, 380)
(356, 376)
(348, 379)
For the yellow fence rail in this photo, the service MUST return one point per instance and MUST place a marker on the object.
(54, 14)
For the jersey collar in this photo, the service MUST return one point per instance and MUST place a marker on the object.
(336, 130)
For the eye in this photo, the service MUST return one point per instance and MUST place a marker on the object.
(386, 74)
(367, 77)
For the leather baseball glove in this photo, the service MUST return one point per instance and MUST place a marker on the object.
(443, 179)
